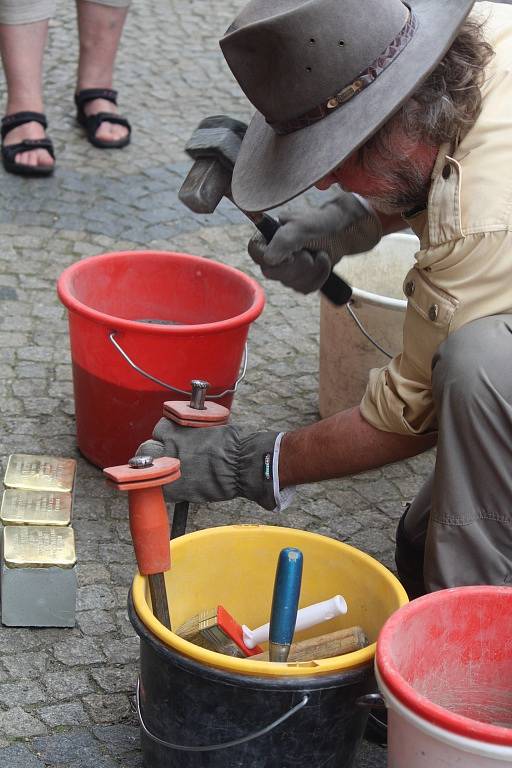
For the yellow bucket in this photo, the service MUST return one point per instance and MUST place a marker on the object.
(234, 566)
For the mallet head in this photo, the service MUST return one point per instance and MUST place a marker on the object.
(214, 146)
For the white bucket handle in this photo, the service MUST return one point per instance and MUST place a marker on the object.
(365, 333)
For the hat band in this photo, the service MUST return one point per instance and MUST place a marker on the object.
(382, 62)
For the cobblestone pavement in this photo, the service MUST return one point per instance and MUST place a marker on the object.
(66, 696)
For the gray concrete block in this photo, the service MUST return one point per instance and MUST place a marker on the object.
(38, 597)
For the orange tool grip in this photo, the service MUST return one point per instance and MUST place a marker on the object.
(149, 526)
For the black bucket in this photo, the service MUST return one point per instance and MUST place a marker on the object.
(196, 716)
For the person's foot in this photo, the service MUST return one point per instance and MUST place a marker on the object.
(33, 157)
(106, 131)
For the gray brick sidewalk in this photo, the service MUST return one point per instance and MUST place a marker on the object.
(66, 696)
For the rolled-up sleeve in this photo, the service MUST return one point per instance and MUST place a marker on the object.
(393, 403)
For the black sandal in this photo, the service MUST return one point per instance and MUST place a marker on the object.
(10, 151)
(91, 123)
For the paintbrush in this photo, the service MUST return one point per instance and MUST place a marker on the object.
(216, 630)
(323, 646)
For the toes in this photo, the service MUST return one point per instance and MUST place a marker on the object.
(111, 132)
(34, 158)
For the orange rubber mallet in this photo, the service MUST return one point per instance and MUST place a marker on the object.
(143, 478)
(198, 413)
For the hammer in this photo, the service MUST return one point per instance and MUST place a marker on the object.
(214, 147)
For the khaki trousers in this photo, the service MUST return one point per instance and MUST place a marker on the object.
(29, 11)
(458, 529)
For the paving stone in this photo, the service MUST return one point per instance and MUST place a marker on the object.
(17, 723)
(121, 651)
(115, 679)
(118, 739)
(77, 651)
(70, 713)
(67, 685)
(20, 692)
(18, 756)
(26, 665)
(95, 622)
(73, 746)
(99, 596)
(108, 708)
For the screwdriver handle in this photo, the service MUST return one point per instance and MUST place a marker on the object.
(285, 603)
(335, 289)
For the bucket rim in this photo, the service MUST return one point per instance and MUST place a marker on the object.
(408, 696)
(264, 668)
(73, 304)
(341, 678)
(362, 296)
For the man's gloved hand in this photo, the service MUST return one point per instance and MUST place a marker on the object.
(340, 227)
(217, 464)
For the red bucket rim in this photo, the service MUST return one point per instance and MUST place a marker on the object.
(114, 322)
(406, 694)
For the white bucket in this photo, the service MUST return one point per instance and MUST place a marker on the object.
(415, 743)
(346, 354)
(444, 668)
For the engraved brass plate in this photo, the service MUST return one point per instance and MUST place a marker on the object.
(39, 546)
(21, 507)
(40, 473)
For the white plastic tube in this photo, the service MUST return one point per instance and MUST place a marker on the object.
(306, 617)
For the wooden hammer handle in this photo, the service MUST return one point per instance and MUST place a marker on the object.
(323, 646)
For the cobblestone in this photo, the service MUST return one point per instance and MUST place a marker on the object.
(68, 693)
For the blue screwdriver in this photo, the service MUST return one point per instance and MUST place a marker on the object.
(285, 603)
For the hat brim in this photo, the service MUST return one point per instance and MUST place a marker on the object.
(271, 170)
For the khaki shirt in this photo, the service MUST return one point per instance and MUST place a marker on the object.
(464, 268)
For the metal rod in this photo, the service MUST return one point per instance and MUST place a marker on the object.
(159, 598)
(179, 519)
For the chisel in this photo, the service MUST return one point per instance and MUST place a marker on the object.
(285, 603)
(143, 478)
(198, 413)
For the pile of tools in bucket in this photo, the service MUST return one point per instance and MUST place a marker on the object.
(217, 630)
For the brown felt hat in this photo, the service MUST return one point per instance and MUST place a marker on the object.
(324, 75)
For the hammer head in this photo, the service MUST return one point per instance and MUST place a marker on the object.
(214, 146)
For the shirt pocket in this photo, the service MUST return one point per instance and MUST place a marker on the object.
(428, 321)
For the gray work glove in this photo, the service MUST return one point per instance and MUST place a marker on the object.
(217, 463)
(304, 250)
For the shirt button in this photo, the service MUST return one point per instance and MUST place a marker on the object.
(446, 171)
(409, 288)
(433, 312)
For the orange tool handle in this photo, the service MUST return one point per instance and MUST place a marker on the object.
(149, 526)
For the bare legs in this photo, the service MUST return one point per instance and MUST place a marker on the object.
(22, 49)
(100, 28)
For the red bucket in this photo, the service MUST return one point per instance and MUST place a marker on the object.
(171, 316)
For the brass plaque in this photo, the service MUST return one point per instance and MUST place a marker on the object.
(21, 507)
(40, 473)
(39, 546)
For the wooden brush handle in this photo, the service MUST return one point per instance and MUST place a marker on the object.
(324, 646)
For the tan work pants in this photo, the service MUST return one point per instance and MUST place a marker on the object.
(29, 11)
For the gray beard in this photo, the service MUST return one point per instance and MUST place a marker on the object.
(407, 187)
